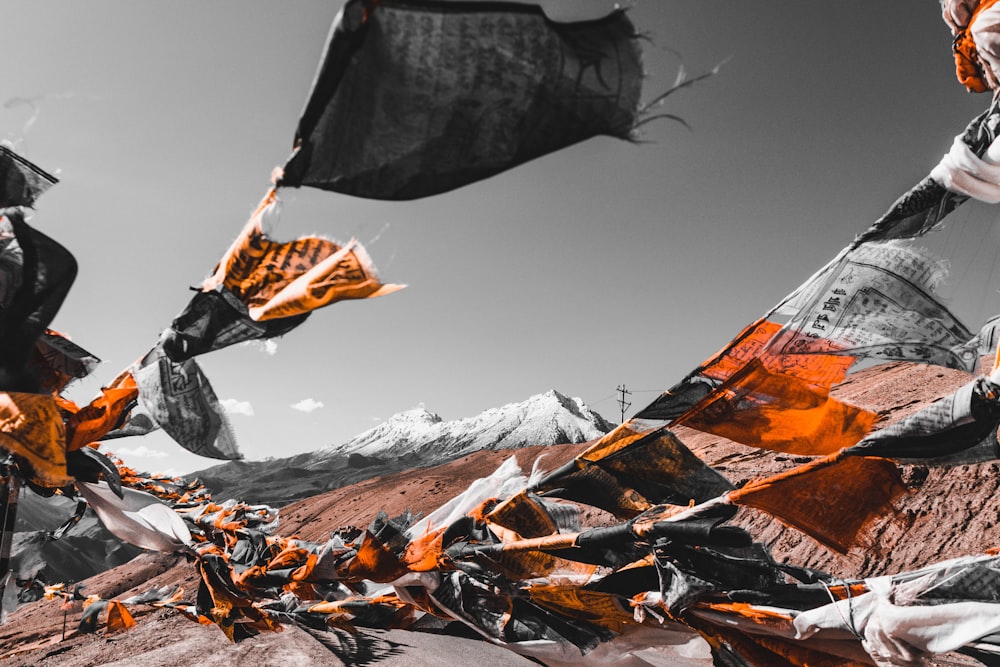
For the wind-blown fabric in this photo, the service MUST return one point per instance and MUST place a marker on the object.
(903, 619)
(633, 468)
(137, 518)
(57, 361)
(831, 499)
(43, 272)
(877, 302)
(778, 412)
(974, 23)
(285, 280)
(21, 182)
(215, 320)
(178, 397)
(415, 98)
(32, 429)
(956, 429)
(964, 172)
(925, 205)
(103, 414)
(757, 341)
(261, 288)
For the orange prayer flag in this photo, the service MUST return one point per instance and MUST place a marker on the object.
(119, 618)
(970, 70)
(607, 610)
(764, 651)
(276, 280)
(779, 412)
(778, 348)
(831, 499)
(632, 469)
(93, 421)
(523, 514)
(32, 428)
(234, 613)
(374, 561)
(425, 553)
(764, 340)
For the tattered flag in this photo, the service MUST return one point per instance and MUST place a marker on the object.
(831, 499)
(57, 361)
(633, 468)
(178, 397)
(956, 429)
(413, 98)
(217, 319)
(277, 280)
(878, 302)
(104, 413)
(31, 428)
(46, 272)
(21, 182)
(779, 412)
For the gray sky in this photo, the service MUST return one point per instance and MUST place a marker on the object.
(606, 263)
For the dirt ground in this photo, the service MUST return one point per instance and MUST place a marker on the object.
(950, 512)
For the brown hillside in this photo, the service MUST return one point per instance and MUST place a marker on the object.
(949, 513)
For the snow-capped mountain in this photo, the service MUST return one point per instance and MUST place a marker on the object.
(409, 439)
(544, 419)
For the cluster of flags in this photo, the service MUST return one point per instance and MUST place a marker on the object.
(415, 98)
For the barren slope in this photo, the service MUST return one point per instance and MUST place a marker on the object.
(951, 512)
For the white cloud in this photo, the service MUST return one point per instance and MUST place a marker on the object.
(237, 407)
(307, 405)
(142, 452)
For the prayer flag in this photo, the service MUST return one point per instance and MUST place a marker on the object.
(413, 98)
(178, 397)
(21, 182)
(779, 412)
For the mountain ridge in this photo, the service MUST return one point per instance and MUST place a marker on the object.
(415, 438)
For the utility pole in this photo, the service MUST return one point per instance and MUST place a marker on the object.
(622, 403)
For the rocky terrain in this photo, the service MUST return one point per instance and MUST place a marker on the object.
(950, 512)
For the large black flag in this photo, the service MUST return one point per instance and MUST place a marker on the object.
(412, 98)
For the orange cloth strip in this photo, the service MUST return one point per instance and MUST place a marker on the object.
(778, 412)
(831, 499)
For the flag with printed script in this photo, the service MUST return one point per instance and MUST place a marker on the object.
(277, 280)
(21, 182)
(877, 301)
(57, 361)
(105, 412)
(263, 288)
(956, 429)
(32, 429)
(633, 468)
(754, 342)
(413, 98)
(178, 397)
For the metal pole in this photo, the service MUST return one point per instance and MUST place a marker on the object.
(10, 488)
